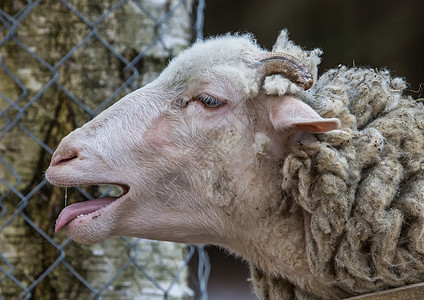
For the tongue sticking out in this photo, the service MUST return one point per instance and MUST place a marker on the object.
(81, 208)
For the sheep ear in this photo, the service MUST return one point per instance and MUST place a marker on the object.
(291, 113)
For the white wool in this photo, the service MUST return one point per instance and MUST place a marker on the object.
(357, 187)
(192, 66)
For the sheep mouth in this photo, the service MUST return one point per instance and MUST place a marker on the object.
(88, 210)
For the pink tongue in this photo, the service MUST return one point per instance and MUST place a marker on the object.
(72, 211)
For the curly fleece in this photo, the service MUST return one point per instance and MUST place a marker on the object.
(361, 188)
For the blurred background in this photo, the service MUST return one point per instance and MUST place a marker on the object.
(374, 33)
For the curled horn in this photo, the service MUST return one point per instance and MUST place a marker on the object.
(289, 66)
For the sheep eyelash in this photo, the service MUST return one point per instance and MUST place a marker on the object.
(202, 98)
(205, 99)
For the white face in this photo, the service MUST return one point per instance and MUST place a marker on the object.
(192, 151)
(179, 163)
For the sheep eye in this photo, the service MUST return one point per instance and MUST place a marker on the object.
(209, 101)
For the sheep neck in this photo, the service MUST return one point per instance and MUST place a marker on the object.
(264, 241)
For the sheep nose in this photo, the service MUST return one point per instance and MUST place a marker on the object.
(63, 157)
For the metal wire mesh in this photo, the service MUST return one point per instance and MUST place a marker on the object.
(21, 195)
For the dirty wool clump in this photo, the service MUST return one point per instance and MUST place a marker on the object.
(361, 188)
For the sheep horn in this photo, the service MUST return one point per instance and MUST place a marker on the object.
(288, 65)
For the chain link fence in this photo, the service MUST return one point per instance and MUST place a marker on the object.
(46, 94)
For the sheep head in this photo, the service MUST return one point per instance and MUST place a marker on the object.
(196, 151)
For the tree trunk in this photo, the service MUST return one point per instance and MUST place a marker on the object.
(68, 68)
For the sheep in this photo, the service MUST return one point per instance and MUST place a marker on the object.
(318, 186)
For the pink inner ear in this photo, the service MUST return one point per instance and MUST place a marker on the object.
(323, 125)
(291, 113)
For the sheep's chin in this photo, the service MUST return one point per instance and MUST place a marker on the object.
(87, 234)
(90, 221)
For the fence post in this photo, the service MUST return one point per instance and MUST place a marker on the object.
(61, 63)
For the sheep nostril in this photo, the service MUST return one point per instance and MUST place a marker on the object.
(61, 158)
